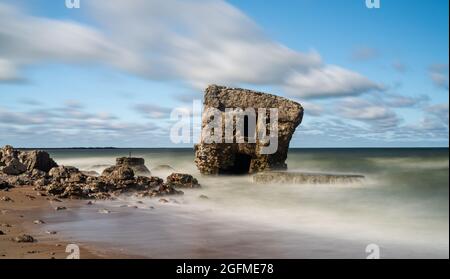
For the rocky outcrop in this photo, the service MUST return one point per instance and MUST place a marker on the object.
(182, 180)
(37, 159)
(8, 151)
(136, 164)
(12, 166)
(15, 162)
(119, 172)
(305, 178)
(241, 158)
(66, 174)
(70, 182)
(162, 190)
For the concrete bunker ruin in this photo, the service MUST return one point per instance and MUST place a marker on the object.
(237, 157)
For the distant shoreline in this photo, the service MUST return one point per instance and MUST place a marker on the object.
(190, 148)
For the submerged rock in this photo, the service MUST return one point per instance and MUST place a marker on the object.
(242, 158)
(104, 211)
(305, 178)
(182, 180)
(163, 200)
(162, 168)
(90, 173)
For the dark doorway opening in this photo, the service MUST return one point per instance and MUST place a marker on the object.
(241, 165)
(246, 126)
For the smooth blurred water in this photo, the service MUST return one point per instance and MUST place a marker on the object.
(402, 206)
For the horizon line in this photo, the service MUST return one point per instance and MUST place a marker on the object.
(325, 147)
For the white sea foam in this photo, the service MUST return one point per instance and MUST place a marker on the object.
(294, 220)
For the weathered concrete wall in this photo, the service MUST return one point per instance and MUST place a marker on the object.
(215, 158)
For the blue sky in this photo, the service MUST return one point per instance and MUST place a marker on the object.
(109, 73)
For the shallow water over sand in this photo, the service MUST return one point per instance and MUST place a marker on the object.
(402, 206)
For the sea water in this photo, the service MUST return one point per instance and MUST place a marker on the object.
(402, 207)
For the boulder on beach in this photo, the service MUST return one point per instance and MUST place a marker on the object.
(37, 159)
(12, 166)
(8, 151)
(118, 172)
(136, 164)
(245, 157)
(67, 174)
(115, 180)
(305, 178)
(16, 162)
(37, 174)
(182, 180)
(163, 190)
(17, 180)
(151, 181)
(24, 238)
(30, 168)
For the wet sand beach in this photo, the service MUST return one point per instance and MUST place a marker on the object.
(17, 217)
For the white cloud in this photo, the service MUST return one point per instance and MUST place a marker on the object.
(8, 70)
(200, 41)
(152, 110)
(439, 75)
(74, 125)
(197, 41)
(329, 81)
(373, 113)
(28, 40)
(312, 109)
(440, 111)
(400, 101)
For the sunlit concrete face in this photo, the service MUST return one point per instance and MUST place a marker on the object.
(253, 132)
